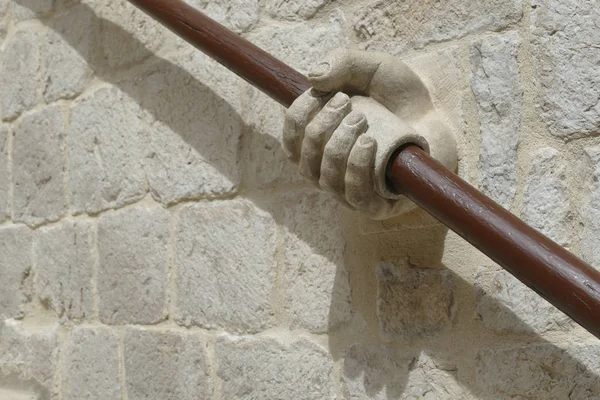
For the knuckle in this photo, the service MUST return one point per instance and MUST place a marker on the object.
(336, 155)
(313, 132)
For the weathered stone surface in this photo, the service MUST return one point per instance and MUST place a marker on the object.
(128, 34)
(539, 372)
(15, 267)
(546, 204)
(301, 46)
(5, 174)
(39, 181)
(505, 304)
(375, 372)
(590, 210)
(106, 138)
(68, 45)
(415, 24)
(30, 9)
(193, 149)
(17, 394)
(413, 302)
(28, 356)
(384, 373)
(166, 365)
(433, 378)
(3, 18)
(132, 270)
(64, 268)
(237, 15)
(566, 58)
(225, 255)
(499, 95)
(294, 9)
(19, 63)
(441, 71)
(90, 365)
(315, 280)
(273, 371)
(213, 79)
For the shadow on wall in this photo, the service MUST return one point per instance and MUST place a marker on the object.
(412, 305)
(430, 334)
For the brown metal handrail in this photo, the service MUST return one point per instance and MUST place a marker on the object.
(555, 274)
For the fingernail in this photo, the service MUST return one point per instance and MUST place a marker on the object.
(354, 119)
(320, 70)
(338, 101)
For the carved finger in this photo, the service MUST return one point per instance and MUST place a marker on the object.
(337, 150)
(344, 70)
(318, 132)
(297, 117)
(360, 190)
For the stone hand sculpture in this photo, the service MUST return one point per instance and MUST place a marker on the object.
(343, 132)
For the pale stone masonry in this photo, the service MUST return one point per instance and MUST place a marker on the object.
(156, 243)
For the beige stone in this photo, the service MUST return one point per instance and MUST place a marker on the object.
(345, 144)
(15, 268)
(413, 303)
(20, 64)
(273, 370)
(132, 266)
(226, 251)
(166, 365)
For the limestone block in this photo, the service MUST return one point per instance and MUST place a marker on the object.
(19, 63)
(412, 302)
(507, 305)
(385, 373)
(15, 267)
(546, 205)
(64, 268)
(67, 47)
(129, 36)
(237, 15)
(539, 372)
(132, 270)
(300, 45)
(315, 279)
(29, 355)
(590, 209)
(272, 370)
(90, 365)
(193, 148)
(225, 257)
(294, 9)
(5, 174)
(566, 60)
(414, 24)
(30, 9)
(4, 10)
(105, 141)
(434, 378)
(166, 365)
(499, 95)
(375, 372)
(16, 394)
(39, 180)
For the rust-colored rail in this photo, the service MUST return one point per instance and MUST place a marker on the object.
(557, 275)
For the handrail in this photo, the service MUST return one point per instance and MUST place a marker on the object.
(560, 277)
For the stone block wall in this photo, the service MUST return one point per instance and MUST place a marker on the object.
(155, 243)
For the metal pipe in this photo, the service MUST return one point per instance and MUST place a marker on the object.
(555, 274)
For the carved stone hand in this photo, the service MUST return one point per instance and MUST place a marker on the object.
(362, 108)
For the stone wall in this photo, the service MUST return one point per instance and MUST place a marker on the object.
(155, 243)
